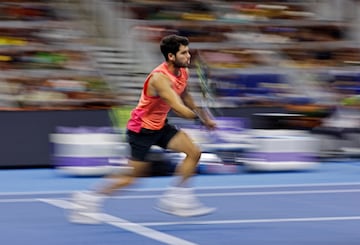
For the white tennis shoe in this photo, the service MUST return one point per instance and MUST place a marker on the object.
(85, 208)
(182, 202)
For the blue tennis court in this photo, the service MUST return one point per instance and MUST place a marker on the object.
(320, 206)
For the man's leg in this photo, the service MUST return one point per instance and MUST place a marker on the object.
(179, 199)
(181, 142)
(88, 203)
(121, 180)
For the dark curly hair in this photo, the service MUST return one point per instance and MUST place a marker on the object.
(170, 44)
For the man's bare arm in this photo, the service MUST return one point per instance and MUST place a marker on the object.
(161, 85)
(202, 114)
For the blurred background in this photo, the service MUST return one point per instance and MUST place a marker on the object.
(290, 65)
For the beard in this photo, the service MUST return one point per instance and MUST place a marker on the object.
(178, 64)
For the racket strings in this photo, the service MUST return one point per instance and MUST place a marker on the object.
(205, 86)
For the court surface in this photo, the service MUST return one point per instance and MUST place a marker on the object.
(321, 206)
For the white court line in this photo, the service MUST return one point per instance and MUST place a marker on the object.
(12, 200)
(195, 188)
(326, 184)
(31, 193)
(253, 193)
(247, 221)
(125, 224)
(140, 229)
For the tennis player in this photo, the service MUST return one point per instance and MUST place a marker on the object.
(164, 89)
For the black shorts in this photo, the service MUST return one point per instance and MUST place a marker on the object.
(140, 143)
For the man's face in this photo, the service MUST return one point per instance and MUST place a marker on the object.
(182, 57)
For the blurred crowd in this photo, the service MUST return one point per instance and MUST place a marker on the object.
(44, 59)
(260, 53)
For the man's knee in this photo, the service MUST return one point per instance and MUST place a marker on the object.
(195, 153)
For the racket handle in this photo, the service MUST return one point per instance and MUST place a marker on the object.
(202, 116)
(199, 119)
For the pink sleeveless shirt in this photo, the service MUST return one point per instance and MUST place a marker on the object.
(151, 111)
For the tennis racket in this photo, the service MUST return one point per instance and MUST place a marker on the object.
(208, 98)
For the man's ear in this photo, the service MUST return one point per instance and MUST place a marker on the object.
(171, 57)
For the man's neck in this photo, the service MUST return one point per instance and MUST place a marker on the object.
(174, 70)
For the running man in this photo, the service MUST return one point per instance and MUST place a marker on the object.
(164, 89)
